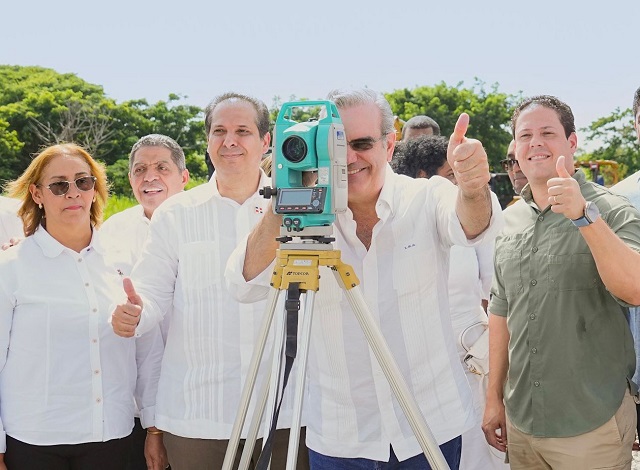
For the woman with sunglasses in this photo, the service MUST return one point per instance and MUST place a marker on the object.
(67, 382)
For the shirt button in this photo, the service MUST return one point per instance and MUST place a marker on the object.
(532, 316)
(80, 260)
(536, 383)
(95, 310)
(541, 218)
(94, 341)
(534, 350)
(535, 249)
(97, 371)
(98, 400)
(534, 282)
(86, 284)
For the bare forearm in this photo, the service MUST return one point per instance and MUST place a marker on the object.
(618, 265)
(474, 212)
(498, 356)
(261, 245)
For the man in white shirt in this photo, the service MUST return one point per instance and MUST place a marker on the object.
(157, 171)
(396, 235)
(10, 223)
(211, 336)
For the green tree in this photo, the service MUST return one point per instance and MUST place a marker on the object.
(490, 111)
(617, 140)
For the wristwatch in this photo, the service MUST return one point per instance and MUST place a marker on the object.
(591, 214)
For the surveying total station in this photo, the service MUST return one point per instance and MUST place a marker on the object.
(310, 188)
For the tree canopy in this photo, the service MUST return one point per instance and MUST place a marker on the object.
(39, 107)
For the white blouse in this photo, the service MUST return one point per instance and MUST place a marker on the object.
(65, 376)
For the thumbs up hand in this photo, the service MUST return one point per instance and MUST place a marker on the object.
(564, 193)
(468, 160)
(125, 317)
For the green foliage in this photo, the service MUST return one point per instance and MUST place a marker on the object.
(490, 111)
(617, 139)
(40, 107)
(196, 165)
(117, 203)
(118, 177)
(197, 181)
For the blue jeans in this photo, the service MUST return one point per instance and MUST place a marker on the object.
(451, 451)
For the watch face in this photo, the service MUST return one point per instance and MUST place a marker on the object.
(591, 212)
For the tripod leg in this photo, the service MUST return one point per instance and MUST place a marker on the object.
(400, 389)
(250, 381)
(303, 354)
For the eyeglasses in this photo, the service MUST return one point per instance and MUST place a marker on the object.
(60, 188)
(362, 145)
(507, 163)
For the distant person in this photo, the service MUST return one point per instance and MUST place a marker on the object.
(511, 166)
(470, 274)
(419, 125)
(211, 336)
(67, 382)
(630, 188)
(157, 171)
(560, 392)
(10, 223)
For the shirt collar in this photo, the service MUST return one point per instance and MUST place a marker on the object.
(52, 248)
(384, 205)
(264, 181)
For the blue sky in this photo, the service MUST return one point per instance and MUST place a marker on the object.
(586, 55)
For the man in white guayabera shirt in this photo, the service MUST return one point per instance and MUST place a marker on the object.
(396, 235)
(211, 335)
(157, 170)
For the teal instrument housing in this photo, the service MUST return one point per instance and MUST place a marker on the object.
(303, 147)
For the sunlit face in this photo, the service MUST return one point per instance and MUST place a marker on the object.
(518, 180)
(446, 172)
(366, 168)
(540, 140)
(234, 142)
(154, 177)
(72, 208)
(412, 133)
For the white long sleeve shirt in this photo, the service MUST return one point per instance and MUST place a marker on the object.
(351, 410)
(10, 223)
(211, 336)
(65, 376)
(124, 234)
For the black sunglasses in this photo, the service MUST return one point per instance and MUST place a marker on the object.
(362, 145)
(507, 163)
(60, 188)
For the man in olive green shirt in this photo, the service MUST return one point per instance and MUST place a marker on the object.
(566, 266)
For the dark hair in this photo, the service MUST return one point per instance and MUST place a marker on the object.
(427, 153)
(562, 109)
(262, 112)
(636, 103)
(421, 122)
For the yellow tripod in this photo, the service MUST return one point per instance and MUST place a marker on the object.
(301, 265)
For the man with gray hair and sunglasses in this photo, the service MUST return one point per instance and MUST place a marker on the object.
(396, 235)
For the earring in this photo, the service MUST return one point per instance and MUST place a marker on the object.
(40, 206)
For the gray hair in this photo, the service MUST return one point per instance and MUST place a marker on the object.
(350, 98)
(159, 140)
